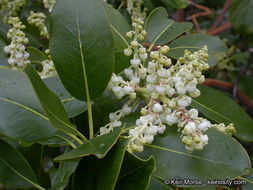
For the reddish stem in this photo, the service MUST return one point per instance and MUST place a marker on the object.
(224, 10)
(220, 29)
(243, 98)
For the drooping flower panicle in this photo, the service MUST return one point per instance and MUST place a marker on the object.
(18, 57)
(166, 88)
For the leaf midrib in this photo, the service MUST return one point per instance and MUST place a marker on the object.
(157, 38)
(19, 174)
(25, 107)
(222, 116)
(182, 153)
(119, 35)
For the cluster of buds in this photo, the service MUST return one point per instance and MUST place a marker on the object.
(49, 4)
(167, 90)
(38, 20)
(134, 7)
(48, 66)
(10, 8)
(116, 117)
(18, 55)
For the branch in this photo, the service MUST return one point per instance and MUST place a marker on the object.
(179, 16)
(243, 98)
(224, 10)
(220, 29)
(206, 12)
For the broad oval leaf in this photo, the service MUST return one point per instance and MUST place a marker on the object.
(72, 106)
(22, 116)
(36, 56)
(135, 173)
(241, 15)
(194, 42)
(172, 160)
(161, 30)
(121, 62)
(14, 169)
(108, 168)
(98, 146)
(50, 102)
(222, 109)
(81, 46)
(119, 27)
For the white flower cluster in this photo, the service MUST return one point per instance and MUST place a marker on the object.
(116, 117)
(48, 67)
(167, 90)
(49, 4)
(18, 55)
(134, 7)
(10, 8)
(38, 20)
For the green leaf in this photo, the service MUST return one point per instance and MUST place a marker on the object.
(173, 162)
(158, 184)
(3, 57)
(135, 173)
(161, 30)
(22, 116)
(179, 4)
(241, 15)
(3, 32)
(14, 169)
(81, 46)
(50, 102)
(60, 176)
(72, 106)
(119, 27)
(121, 62)
(36, 56)
(98, 146)
(249, 181)
(108, 168)
(222, 109)
(106, 98)
(33, 35)
(194, 42)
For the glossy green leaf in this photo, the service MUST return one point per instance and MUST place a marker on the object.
(108, 168)
(60, 176)
(121, 62)
(50, 102)
(161, 30)
(33, 35)
(241, 15)
(119, 27)
(194, 42)
(3, 32)
(72, 106)
(22, 116)
(249, 181)
(81, 46)
(14, 169)
(107, 97)
(36, 56)
(135, 173)
(176, 3)
(3, 57)
(222, 109)
(172, 160)
(158, 184)
(98, 146)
